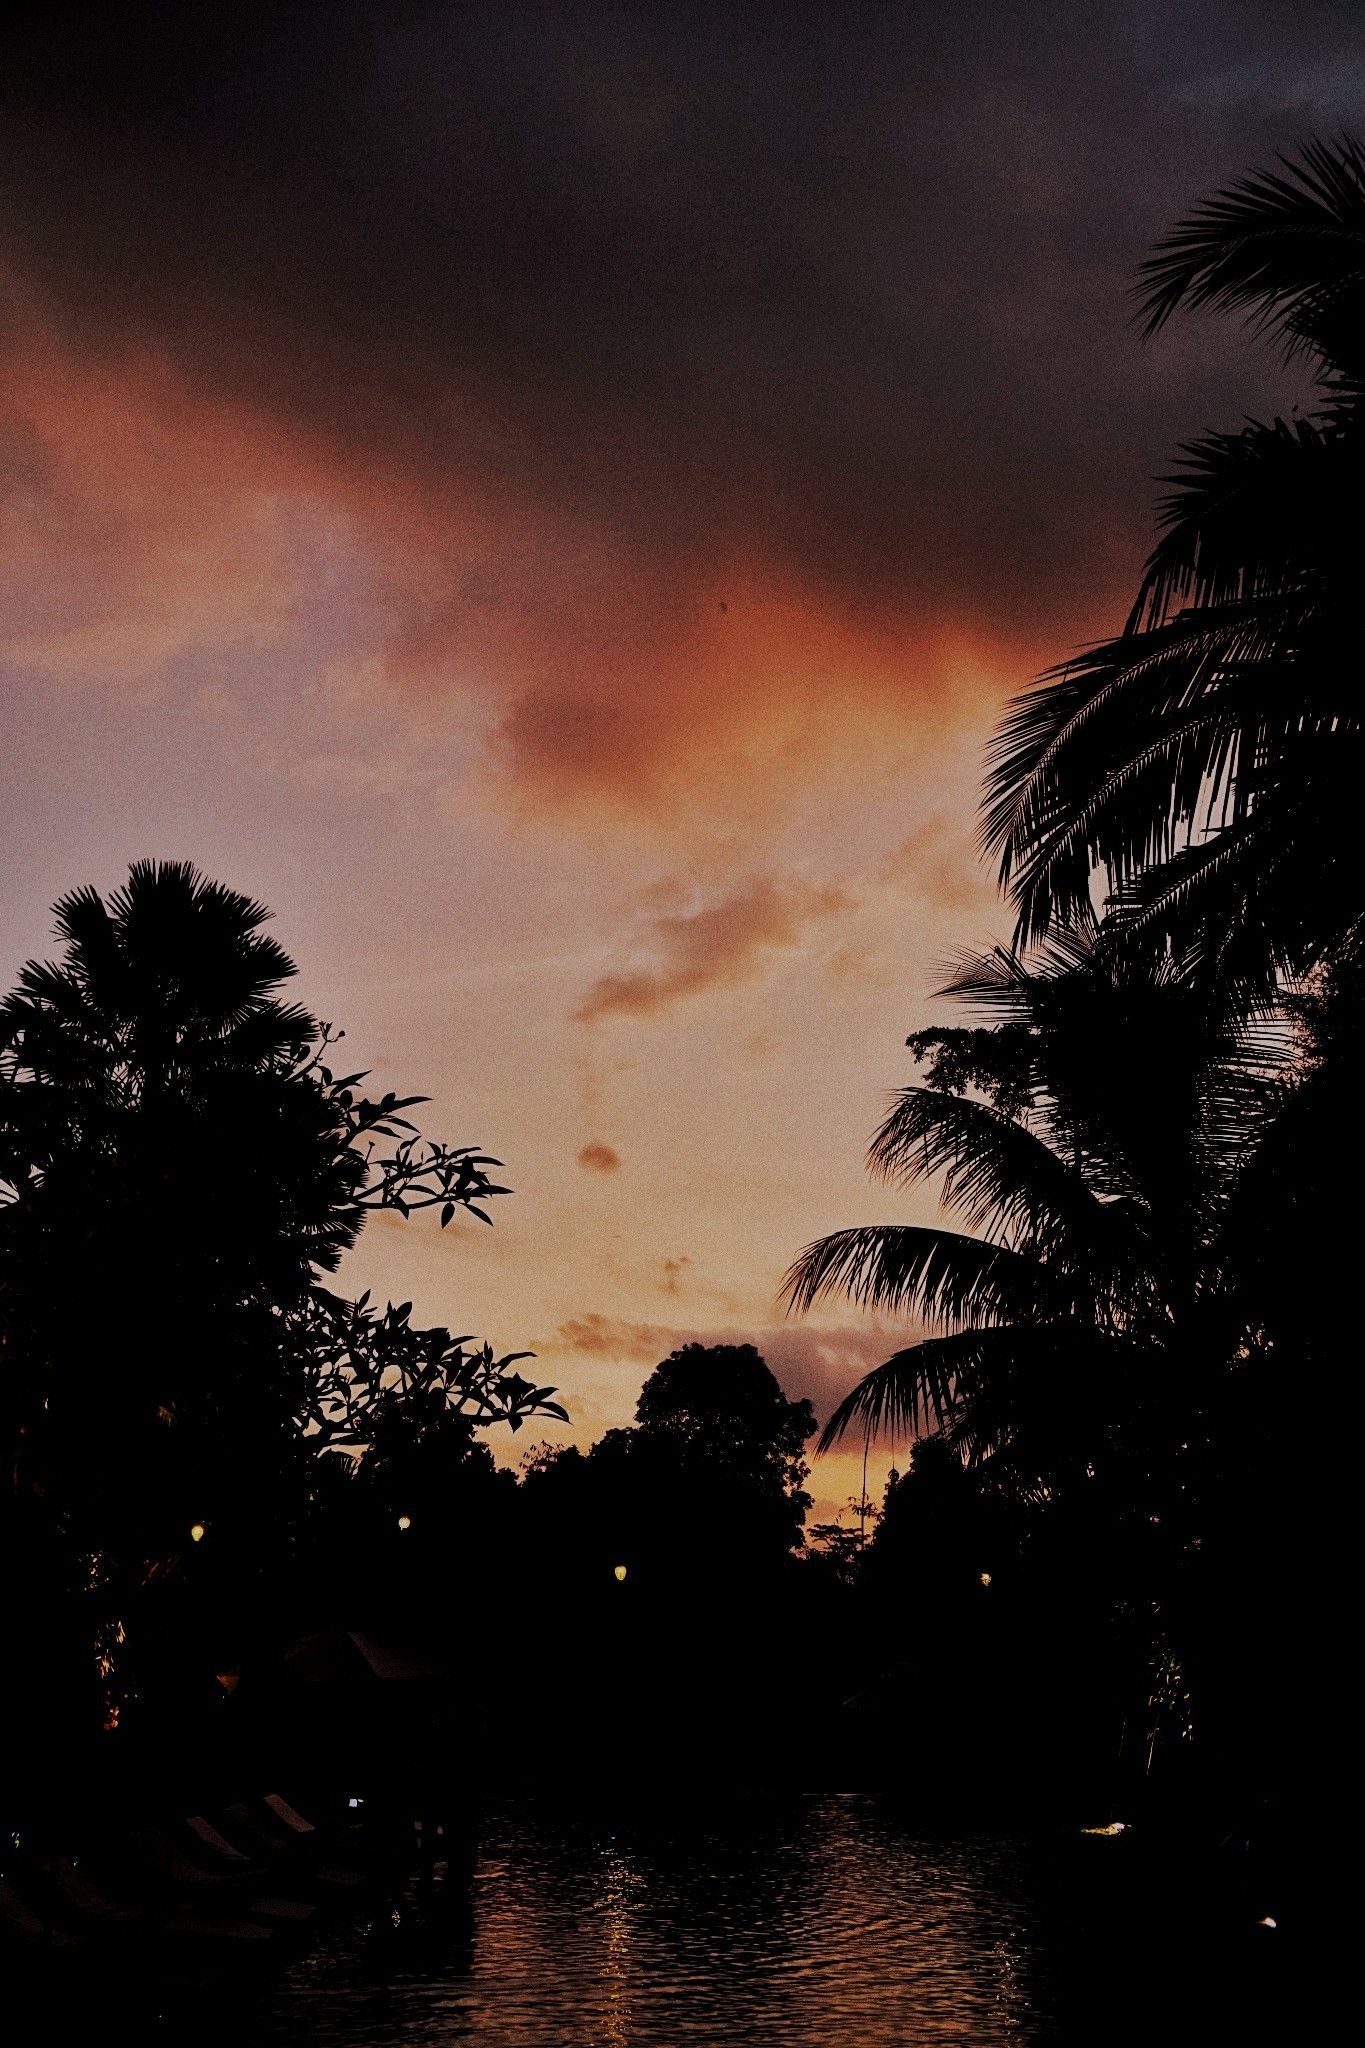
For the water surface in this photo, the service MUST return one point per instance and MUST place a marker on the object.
(783, 1925)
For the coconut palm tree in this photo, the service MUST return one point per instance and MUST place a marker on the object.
(1082, 1319)
(1202, 768)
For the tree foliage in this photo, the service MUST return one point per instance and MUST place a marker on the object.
(706, 1489)
(1092, 1294)
(1142, 1133)
(1199, 769)
(180, 1168)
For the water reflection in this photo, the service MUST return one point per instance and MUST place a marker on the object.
(795, 1926)
(620, 1882)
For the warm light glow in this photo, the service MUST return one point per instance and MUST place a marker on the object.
(985, 1578)
(107, 1641)
(405, 1521)
(196, 1532)
(1115, 1827)
(1267, 1922)
(619, 1573)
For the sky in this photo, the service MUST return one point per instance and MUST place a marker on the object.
(552, 499)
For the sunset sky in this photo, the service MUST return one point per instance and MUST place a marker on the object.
(552, 499)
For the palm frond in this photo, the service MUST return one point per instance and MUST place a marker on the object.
(948, 1278)
(913, 1387)
(1006, 982)
(1225, 698)
(996, 1172)
(1284, 247)
(1079, 720)
(1272, 508)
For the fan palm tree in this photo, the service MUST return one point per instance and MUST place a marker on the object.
(1202, 768)
(1082, 1316)
(178, 1169)
(166, 1187)
(149, 1073)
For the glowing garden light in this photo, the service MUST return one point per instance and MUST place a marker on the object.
(619, 1574)
(405, 1521)
(984, 1577)
(196, 1532)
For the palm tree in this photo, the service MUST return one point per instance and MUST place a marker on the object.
(166, 1186)
(149, 1073)
(1084, 1316)
(171, 978)
(177, 1169)
(1203, 767)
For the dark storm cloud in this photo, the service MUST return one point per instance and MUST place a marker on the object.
(843, 285)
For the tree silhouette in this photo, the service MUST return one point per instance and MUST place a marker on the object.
(1205, 763)
(179, 1168)
(1098, 1167)
(709, 1483)
(1096, 1400)
(1144, 1133)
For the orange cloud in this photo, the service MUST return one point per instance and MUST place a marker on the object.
(673, 1273)
(939, 859)
(150, 528)
(821, 1364)
(657, 515)
(209, 539)
(599, 1158)
(854, 963)
(599, 1336)
(716, 946)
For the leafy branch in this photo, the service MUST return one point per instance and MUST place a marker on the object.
(359, 1364)
(412, 1173)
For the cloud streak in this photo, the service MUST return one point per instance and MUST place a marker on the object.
(594, 1335)
(715, 946)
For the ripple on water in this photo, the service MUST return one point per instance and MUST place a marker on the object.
(820, 1923)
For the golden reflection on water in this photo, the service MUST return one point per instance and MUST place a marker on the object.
(1009, 1997)
(826, 1927)
(818, 1924)
(614, 1907)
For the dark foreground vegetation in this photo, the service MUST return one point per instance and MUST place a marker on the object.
(1136, 1388)
(253, 1534)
